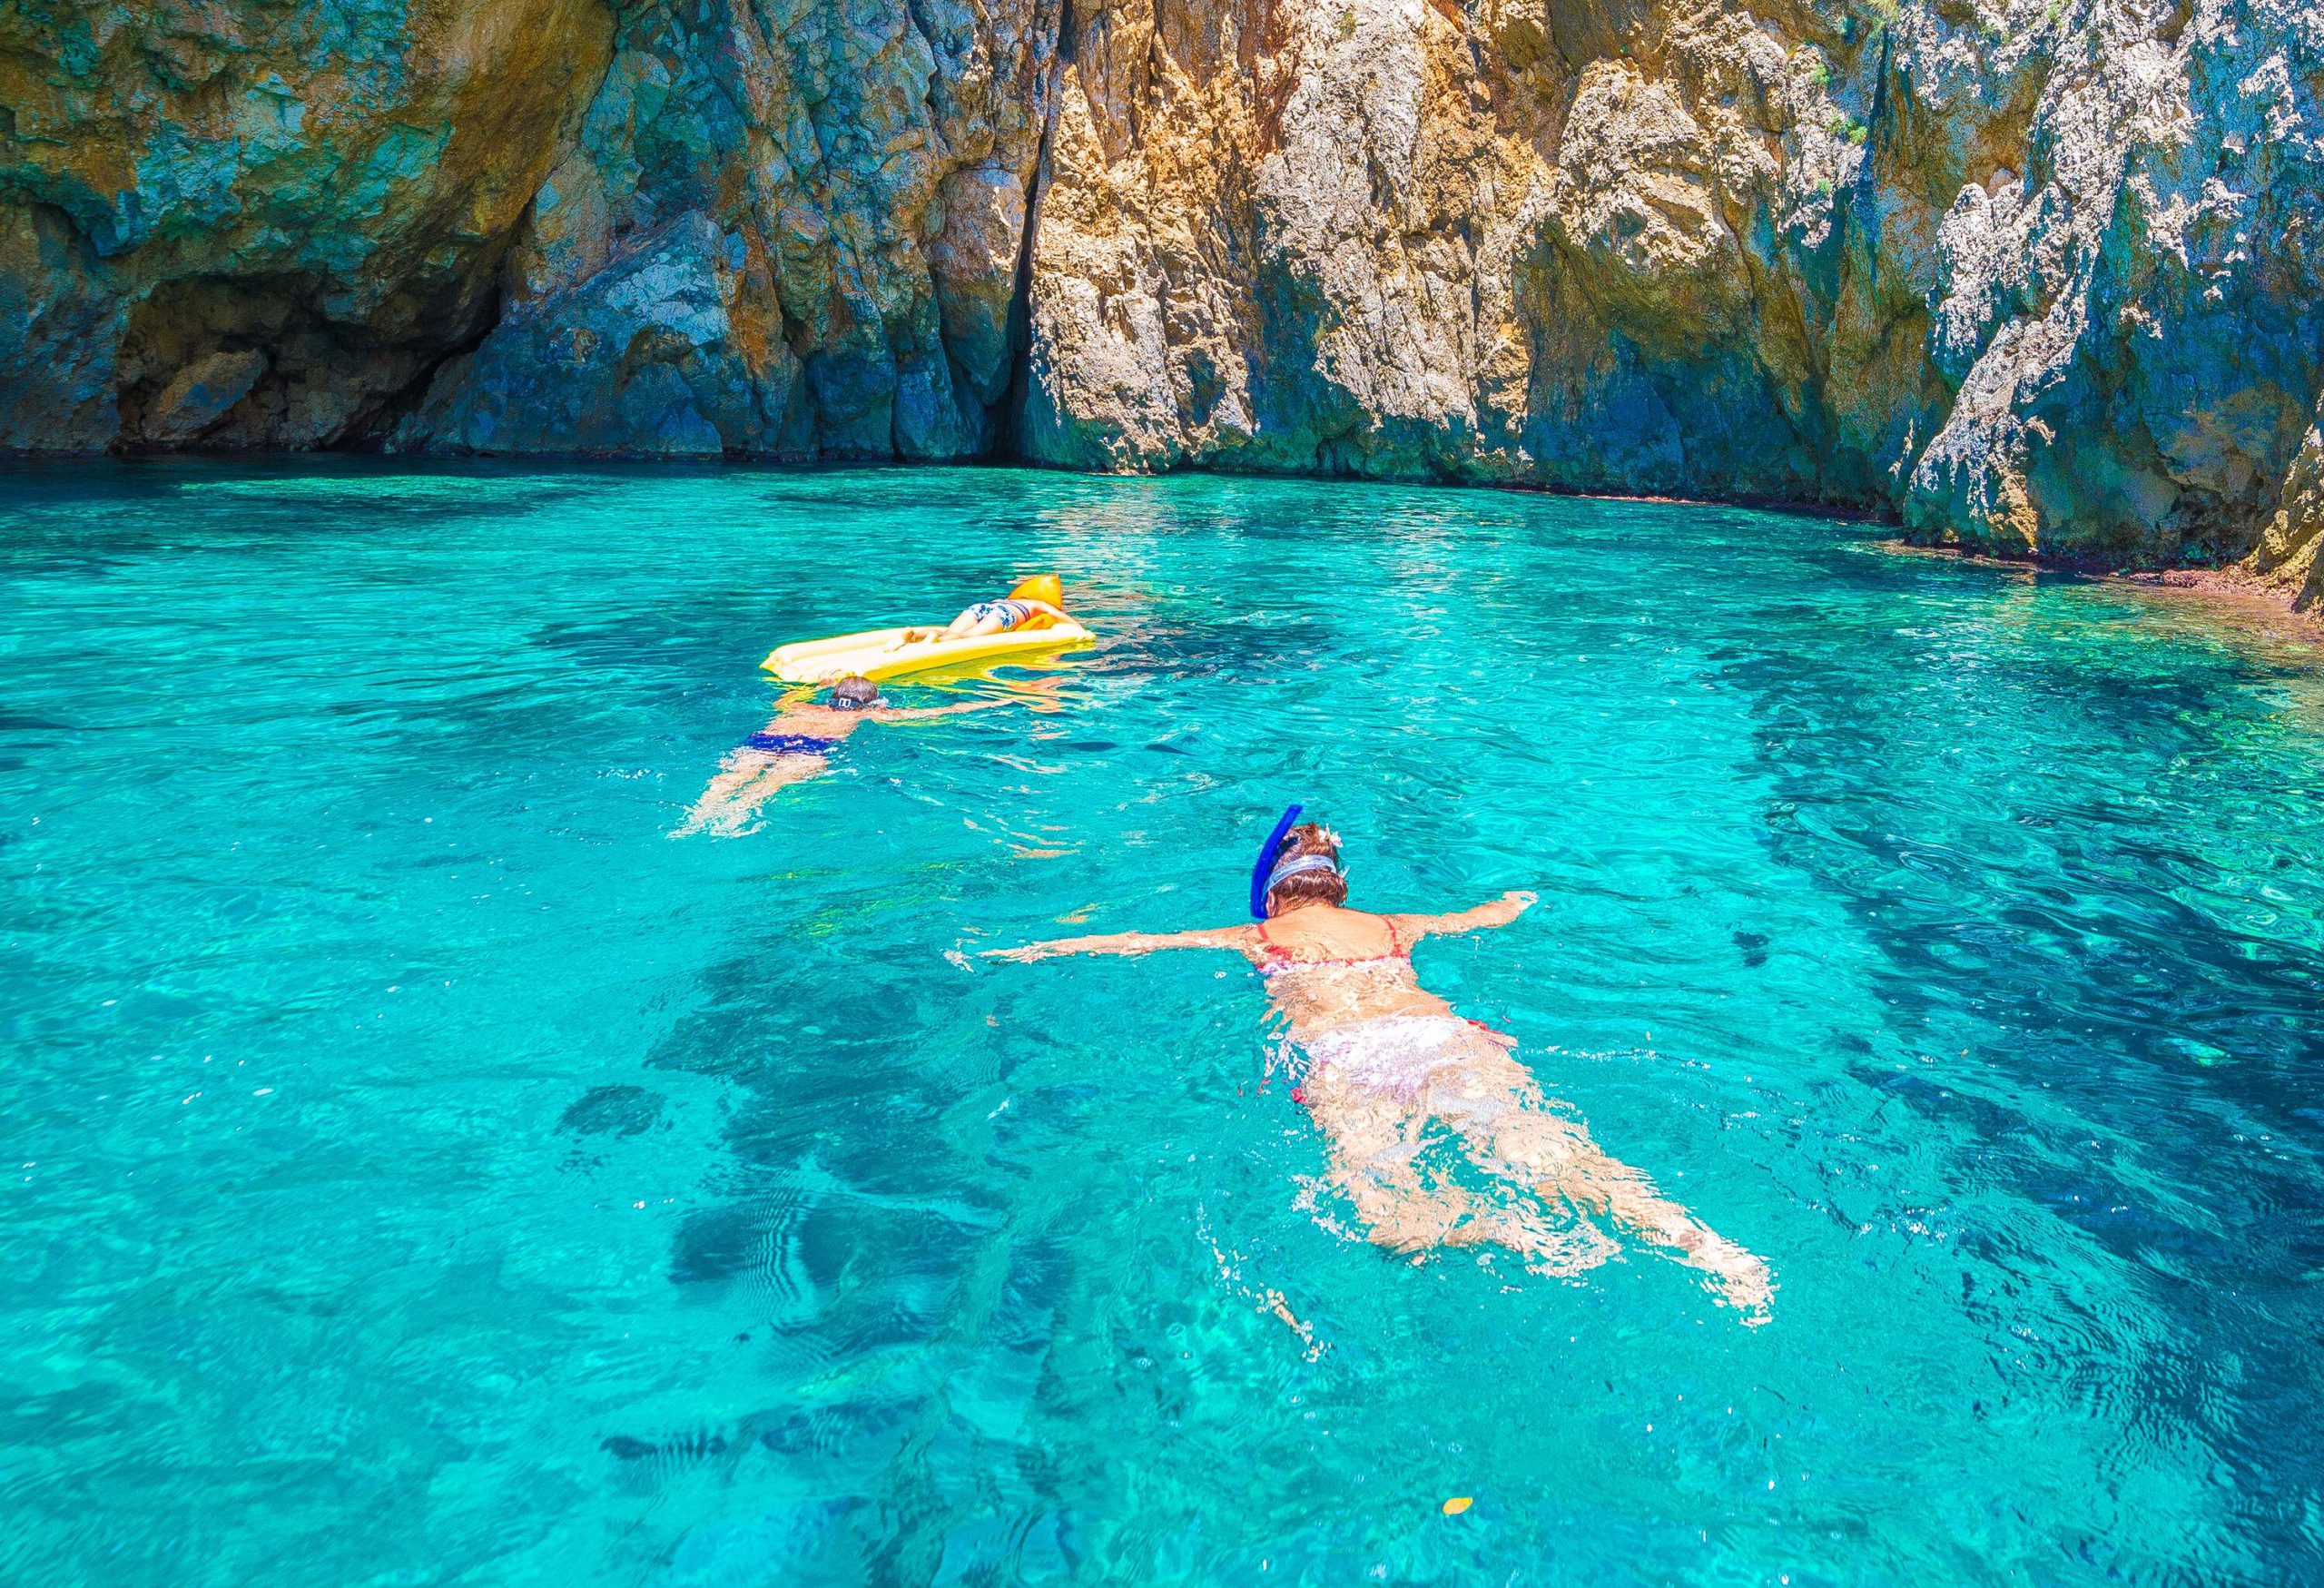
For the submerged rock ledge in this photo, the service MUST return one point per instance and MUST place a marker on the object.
(2043, 278)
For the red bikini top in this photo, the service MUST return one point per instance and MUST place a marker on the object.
(1278, 959)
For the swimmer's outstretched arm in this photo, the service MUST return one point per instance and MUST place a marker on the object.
(1238, 937)
(1500, 911)
(885, 714)
(1037, 696)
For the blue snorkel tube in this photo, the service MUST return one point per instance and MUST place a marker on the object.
(1267, 863)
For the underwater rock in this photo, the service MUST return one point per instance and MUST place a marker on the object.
(2037, 276)
(612, 1111)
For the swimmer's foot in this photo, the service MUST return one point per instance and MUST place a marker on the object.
(1742, 1280)
(717, 825)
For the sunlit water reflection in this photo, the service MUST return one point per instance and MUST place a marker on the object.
(432, 1172)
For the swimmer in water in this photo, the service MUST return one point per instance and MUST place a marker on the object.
(1035, 597)
(796, 746)
(1384, 1057)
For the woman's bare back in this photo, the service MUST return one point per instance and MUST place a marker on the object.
(819, 721)
(1327, 966)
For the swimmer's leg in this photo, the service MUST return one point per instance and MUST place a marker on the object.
(1496, 1106)
(780, 772)
(1585, 1176)
(747, 781)
(1373, 1139)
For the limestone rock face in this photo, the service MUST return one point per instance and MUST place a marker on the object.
(2040, 278)
(2287, 553)
(330, 186)
(202, 393)
(2036, 275)
(667, 351)
(399, 205)
(828, 146)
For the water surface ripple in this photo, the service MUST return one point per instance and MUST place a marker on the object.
(421, 1169)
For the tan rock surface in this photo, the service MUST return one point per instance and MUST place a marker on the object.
(272, 177)
(2035, 275)
(2285, 556)
(1996, 271)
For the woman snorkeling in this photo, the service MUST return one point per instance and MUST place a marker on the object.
(795, 747)
(1384, 1057)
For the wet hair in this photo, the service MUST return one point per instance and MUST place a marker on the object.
(853, 694)
(1308, 887)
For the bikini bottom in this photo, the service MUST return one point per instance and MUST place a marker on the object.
(789, 743)
(1399, 1054)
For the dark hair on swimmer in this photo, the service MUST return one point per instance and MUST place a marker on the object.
(853, 694)
(1309, 887)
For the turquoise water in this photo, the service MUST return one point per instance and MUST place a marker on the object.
(424, 1170)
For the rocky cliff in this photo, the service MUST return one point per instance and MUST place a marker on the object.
(2045, 277)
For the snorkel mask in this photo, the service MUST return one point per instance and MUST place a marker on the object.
(1267, 874)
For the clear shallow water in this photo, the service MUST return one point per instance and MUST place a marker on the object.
(431, 1172)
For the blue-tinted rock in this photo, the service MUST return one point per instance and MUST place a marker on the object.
(198, 396)
(656, 354)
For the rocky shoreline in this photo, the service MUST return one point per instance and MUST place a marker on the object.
(2040, 278)
(2283, 609)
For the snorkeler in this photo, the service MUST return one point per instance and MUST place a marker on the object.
(796, 746)
(1384, 1057)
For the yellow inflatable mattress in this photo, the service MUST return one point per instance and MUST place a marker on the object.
(885, 652)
